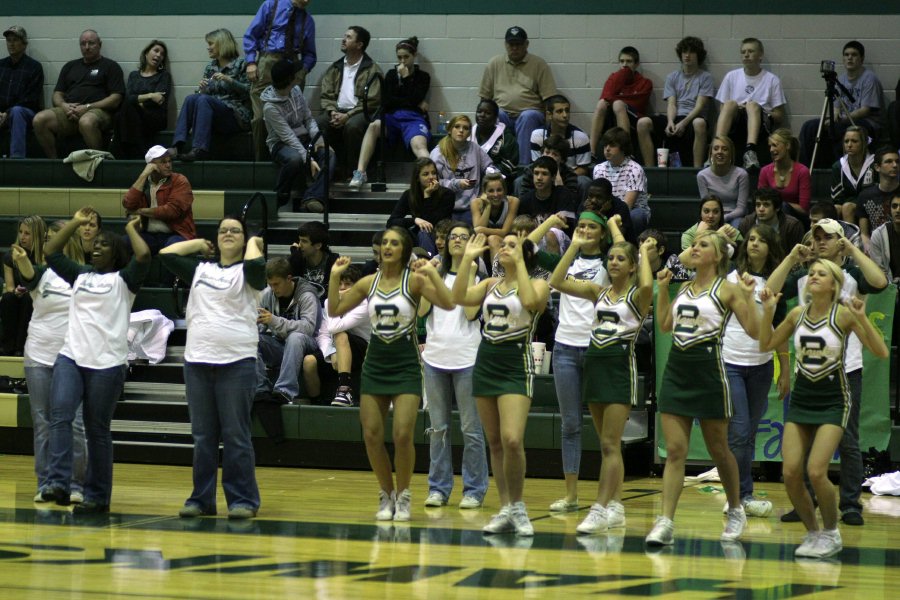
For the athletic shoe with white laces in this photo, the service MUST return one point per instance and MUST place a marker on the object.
(615, 514)
(595, 521)
(435, 499)
(385, 506)
(755, 507)
(828, 544)
(500, 522)
(734, 526)
(469, 502)
(519, 518)
(563, 505)
(663, 532)
(402, 505)
(343, 396)
(751, 161)
(805, 549)
(39, 498)
(358, 179)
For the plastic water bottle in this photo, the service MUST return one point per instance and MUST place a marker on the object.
(674, 160)
(442, 124)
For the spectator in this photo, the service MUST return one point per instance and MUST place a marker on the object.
(657, 255)
(291, 128)
(864, 108)
(627, 93)
(21, 89)
(343, 95)
(423, 205)
(853, 172)
(826, 210)
(88, 232)
(16, 303)
(885, 242)
(493, 211)
(222, 102)
(600, 198)
(311, 258)
(554, 146)
(371, 266)
(729, 183)
(145, 111)
(768, 211)
(547, 198)
(688, 94)
(495, 137)
(752, 101)
(518, 82)
(163, 199)
(785, 174)
(711, 213)
(577, 156)
(278, 31)
(628, 179)
(87, 93)
(460, 165)
(873, 202)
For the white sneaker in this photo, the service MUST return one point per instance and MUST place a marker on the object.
(435, 499)
(39, 498)
(469, 502)
(76, 497)
(358, 179)
(615, 514)
(385, 506)
(663, 532)
(500, 522)
(595, 521)
(402, 505)
(755, 507)
(805, 549)
(563, 505)
(734, 527)
(828, 544)
(519, 518)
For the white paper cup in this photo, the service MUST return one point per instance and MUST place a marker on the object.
(662, 157)
(538, 349)
(545, 368)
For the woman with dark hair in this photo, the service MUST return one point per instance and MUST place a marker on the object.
(790, 177)
(460, 165)
(725, 181)
(404, 110)
(503, 378)
(90, 368)
(16, 303)
(392, 369)
(495, 138)
(712, 218)
(222, 101)
(449, 356)
(145, 111)
(493, 212)
(427, 203)
(852, 172)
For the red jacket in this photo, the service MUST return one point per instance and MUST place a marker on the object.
(630, 87)
(174, 199)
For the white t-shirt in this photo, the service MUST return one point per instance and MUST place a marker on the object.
(577, 314)
(347, 96)
(50, 319)
(738, 348)
(764, 88)
(453, 339)
(356, 322)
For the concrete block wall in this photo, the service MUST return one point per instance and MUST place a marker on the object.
(581, 49)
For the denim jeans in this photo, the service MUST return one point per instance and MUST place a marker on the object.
(292, 167)
(39, 378)
(640, 219)
(288, 355)
(18, 119)
(219, 400)
(441, 385)
(750, 387)
(524, 124)
(203, 114)
(97, 391)
(568, 364)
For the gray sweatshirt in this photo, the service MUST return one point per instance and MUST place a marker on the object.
(303, 314)
(288, 120)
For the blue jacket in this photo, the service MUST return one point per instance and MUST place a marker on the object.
(304, 38)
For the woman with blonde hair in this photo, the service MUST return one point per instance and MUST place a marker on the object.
(461, 164)
(725, 180)
(15, 304)
(852, 172)
(790, 177)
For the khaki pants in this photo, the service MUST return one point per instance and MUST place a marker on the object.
(264, 64)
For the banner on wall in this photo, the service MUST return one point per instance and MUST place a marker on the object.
(875, 410)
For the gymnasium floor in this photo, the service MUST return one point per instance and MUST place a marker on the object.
(315, 538)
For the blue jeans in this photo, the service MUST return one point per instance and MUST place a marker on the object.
(525, 124)
(750, 387)
(97, 391)
(219, 400)
(441, 384)
(568, 364)
(292, 166)
(640, 219)
(39, 378)
(204, 114)
(18, 119)
(288, 354)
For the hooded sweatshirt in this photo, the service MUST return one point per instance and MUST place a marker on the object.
(288, 120)
(303, 314)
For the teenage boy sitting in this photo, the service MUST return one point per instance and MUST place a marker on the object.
(629, 182)
(624, 99)
(578, 145)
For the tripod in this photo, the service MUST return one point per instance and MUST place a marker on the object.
(832, 95)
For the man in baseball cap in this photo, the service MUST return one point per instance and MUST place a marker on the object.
(21, 86)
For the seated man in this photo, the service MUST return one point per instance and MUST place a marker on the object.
(518, 82)
(767, 202)
(827, 210)
(658, 255)
(342, 344)
(291, 127)
(885, 238)
(629, 182)
(289, 317)
(21, 89)
(688, 94)
(865, 109)
(577, 155)
(311, 259)
(547, 198)
(627, 93)
(554, 146)
(600, 198)
(873, 202)
(87, 94)
(164, 200)
(342, 95)
(752, 100)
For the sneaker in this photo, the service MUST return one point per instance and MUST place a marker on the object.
(615, 514)
(39, 498)
(358, 179)
(469, 502)
(790, 517)
(828, 544)
(751, 161)
(755, 507)
(518, 516)
(385, 506)
(500, 523)
(191, 511)
(435, 499)
(240, 513)
(852, 517)
(58, 495)
(662, 533)
(312, 205)
(595, 521)
(734, 527)
(76, 497)
(805, 549)
(563, 505)
(402, 505)
(344, 397)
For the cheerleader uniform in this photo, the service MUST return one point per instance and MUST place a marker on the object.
(610, 369)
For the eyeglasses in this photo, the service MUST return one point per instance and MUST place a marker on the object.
(463, 237)
(231, 230)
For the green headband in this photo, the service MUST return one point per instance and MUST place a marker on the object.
(599, 219)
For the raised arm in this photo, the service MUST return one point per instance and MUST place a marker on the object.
(663, 312)
(138, 245)
(58, 241)
(558, 220)
(340, 304)
(798, 254)
(427, 283)
(769, 339)
(533, 293)
(464, 294)
(558, 280)
(863, 328)
(20, 259)
(645, 277)
(872, 273)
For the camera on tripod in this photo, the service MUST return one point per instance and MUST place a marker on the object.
(826, 67)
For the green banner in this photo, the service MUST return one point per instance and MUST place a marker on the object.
(875, 411)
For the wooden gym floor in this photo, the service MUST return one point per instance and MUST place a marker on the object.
(315, 538)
